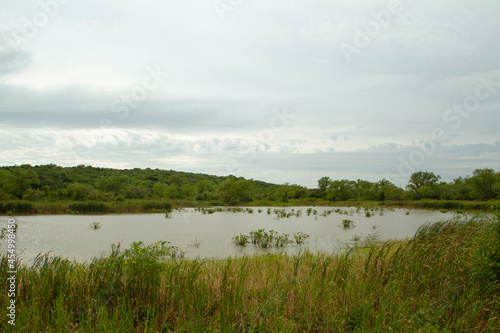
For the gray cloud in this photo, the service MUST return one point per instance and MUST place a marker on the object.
(12, 58)
(227, 77)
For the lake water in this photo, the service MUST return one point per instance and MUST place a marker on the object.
(70, 236)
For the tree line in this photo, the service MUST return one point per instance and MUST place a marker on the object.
(87, 183)
(483, 185)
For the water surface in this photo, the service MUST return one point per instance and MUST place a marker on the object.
(69, 235)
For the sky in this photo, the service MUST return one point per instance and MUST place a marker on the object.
(274, 90)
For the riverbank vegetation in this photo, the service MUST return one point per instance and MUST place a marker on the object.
(444, 279)
(51, 189)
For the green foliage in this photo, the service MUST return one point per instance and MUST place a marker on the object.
(51, 183)
(286, 192)
(422, 184)
(233, 191)
(484, 182)
(83, 183)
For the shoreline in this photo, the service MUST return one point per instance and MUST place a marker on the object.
(26, 208)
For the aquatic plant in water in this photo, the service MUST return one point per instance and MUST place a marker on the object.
(300, 237)
(195, 243)
(95, 225)
(346, 224)
(266, 239)
(240, 239)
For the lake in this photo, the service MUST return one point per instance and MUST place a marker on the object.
(70, 236)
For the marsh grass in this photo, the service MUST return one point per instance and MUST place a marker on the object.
(444, 279)
(122, 206)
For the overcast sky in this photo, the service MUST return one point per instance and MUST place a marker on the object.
(275, 90)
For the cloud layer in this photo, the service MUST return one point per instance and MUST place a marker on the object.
(188, 86)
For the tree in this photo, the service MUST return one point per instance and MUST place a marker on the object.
(159, 190)
(341, 190)
(284, 192)
(234, 191)
(7, 185)
(422, 184)
(172, 192)
(113, 184)
(386, 190)
(484, 181)
(78, 192)
(33, 195)
(365, 190)
(136, 191)
(22, 179)
(323, 183)
(204, 190)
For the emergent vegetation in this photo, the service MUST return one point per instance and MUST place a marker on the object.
(266, 239)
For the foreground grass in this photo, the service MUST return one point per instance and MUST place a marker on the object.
(445, 279)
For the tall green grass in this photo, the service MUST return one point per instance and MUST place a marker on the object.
(445, 279)
(446, 205)
(20, 207)
(155, 206)
(87, 207)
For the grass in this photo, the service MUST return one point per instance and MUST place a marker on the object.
(157, 206)
(444, 279)
(87, 207)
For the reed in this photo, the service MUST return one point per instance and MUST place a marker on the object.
(444, 279)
